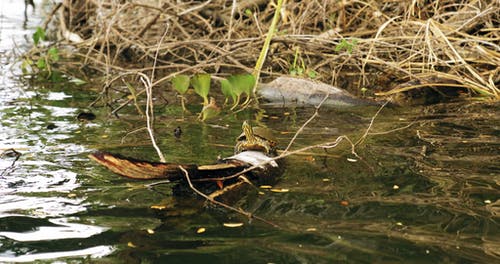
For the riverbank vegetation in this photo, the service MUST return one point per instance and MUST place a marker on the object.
(405, 49)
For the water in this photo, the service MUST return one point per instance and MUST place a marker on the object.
(427, 193)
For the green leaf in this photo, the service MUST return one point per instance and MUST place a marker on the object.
(248, 12)
(242, 83)
(56, 76)
(201, 85)
(227, 89)
(181, 83)
(41, 63)
(312, 74)
(53, 54)
(38, 35)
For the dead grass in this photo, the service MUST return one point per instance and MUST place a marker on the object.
(400, 44)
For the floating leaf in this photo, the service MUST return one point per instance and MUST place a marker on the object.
(282, 190)
(266, 187)
(130, 244)
(352, 160)
(150, 231)
(395, 187)
(201, 85)
(158, 207)
(344, 203)
(200, 230)
(181, 83)
(311, 229)
(233, 224)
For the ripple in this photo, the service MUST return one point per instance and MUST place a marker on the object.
(93, 252)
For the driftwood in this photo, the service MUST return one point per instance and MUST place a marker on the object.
(214, 179)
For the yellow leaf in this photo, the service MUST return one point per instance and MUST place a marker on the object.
(130, 244)
(282, 190)
(150, 231)
(158, 207)
(265, 186)
(233, 224)
(201, 230)
(311, 229)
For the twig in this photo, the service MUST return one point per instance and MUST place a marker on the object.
(158, 51)
(210, 199)
(149, 115)
(362, 138)
(326, 145)
(321, 145)
(316, 113)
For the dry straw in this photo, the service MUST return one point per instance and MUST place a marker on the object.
(439, 43)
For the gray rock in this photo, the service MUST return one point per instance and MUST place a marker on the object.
(290, 91)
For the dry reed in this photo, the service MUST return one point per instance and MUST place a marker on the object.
(399, 44)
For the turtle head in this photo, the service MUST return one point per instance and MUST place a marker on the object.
(248, 132)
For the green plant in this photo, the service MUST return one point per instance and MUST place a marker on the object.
(267, 43)
(201, 85)
(236, 85)
(42, 61)
(346, 45)
(299, 68)
(181, 85)
(38, 35)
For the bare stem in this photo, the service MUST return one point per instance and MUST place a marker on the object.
(212, 200)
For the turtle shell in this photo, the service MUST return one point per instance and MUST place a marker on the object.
(262, 133)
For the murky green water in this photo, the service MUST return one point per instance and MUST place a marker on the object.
(425, 194)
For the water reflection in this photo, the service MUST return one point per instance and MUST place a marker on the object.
(59, 228)
(93, 252)
(37, 189)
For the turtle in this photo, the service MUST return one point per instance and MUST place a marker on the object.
(256, 138)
